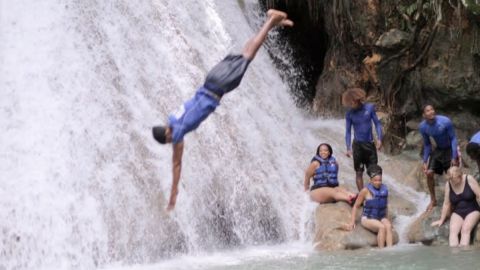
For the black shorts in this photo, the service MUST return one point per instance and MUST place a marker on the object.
(226, 75)
(440, 160)
(315, 187)
(364, 155)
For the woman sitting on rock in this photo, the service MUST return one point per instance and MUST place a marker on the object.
(324, 171)
(461, 195)
(375, 208)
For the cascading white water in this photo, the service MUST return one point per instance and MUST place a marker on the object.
(83, 183)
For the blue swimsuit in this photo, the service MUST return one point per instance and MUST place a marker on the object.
(465, 202)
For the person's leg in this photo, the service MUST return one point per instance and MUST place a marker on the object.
(342, 194)
(469, 222)
(323, 195)
(434, 167)
(431, 189)
(274, 18)
(446, 162)
(377, 227)
(455, 226)
(388, 231)
(439, 163)
(328, 195)
(359, 180)
(228, 73)
(371, 155)
(343, 190)
(358, 164)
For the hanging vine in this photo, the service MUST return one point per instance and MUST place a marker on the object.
(417, 17)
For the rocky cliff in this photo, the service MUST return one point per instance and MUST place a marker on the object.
(404, 53)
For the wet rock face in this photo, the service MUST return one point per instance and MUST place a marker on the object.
(307, 45)
(400, 55)
(393, 39)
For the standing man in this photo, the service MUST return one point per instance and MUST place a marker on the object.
(473, 150)
(445, 155)
(223, 78)
(360, 116)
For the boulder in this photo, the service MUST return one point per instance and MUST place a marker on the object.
(413, 124)
(330, 233)
(393, 39)
(414, 140)
(421, 231)
(405, 168)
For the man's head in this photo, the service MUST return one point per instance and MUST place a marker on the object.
(375, 173)
(428, 112)
(353, 97)
(162, 134)
(473, 150)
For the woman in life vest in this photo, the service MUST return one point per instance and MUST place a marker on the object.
(462, 194)
(323, 169)
(375, 208)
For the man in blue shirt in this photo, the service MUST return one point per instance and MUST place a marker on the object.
(473, 150)
(223, 78)
(360, 116)
(445, 155)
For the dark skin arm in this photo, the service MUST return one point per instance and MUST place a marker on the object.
(176, 171)
(454, 143)
(361, 197)
(309, 172)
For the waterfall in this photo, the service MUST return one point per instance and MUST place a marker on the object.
(83, 184)
(82, 181)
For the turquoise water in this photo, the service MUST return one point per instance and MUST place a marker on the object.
(403, 257)
(399, 258)
(406, 258)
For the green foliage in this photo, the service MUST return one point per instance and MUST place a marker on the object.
(472, 5)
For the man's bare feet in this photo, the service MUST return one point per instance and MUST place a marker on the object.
(279, 18)
(431, 206)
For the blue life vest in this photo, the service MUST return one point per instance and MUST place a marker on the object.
(376, 207)
(326, 174)
(476, 138)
